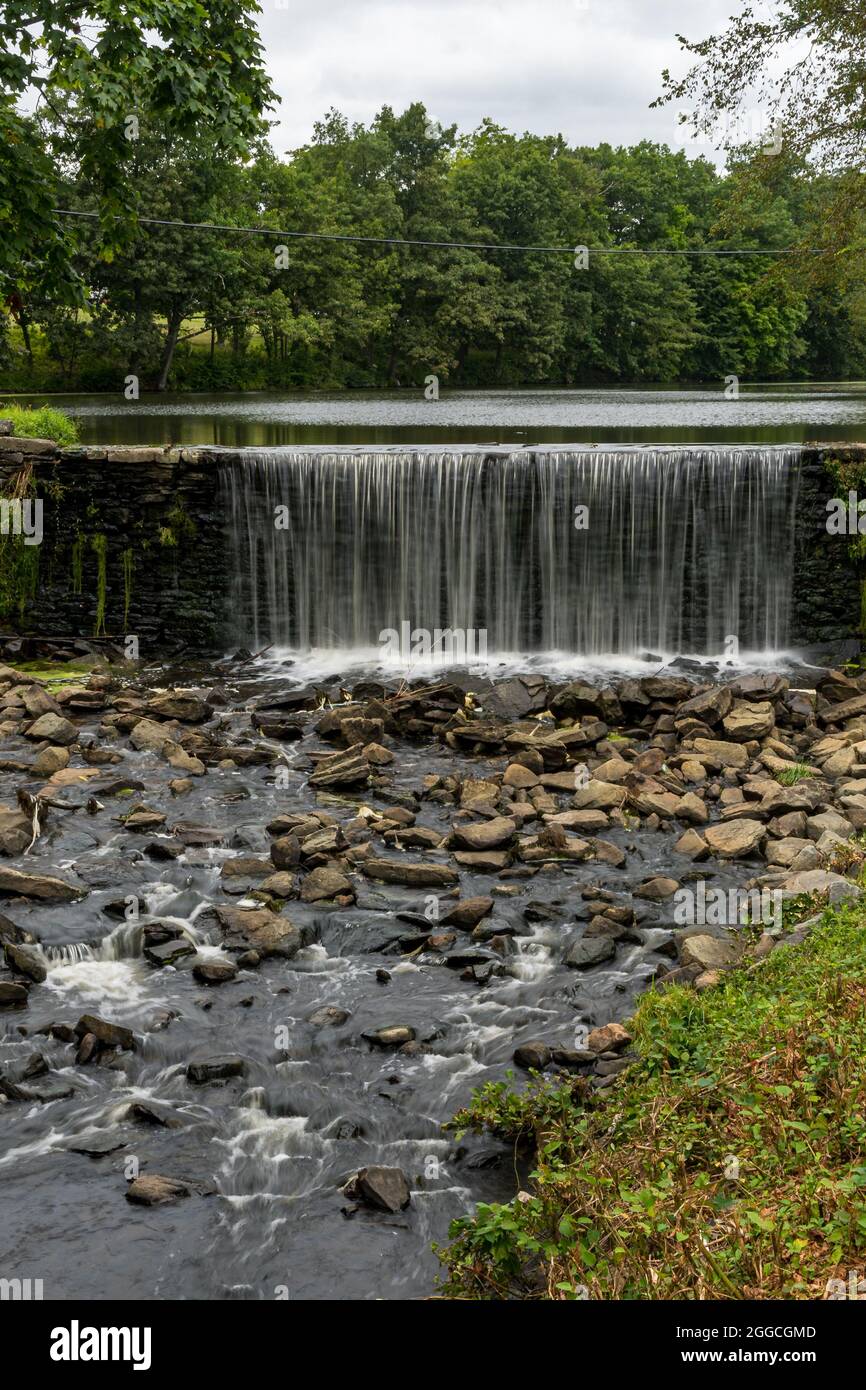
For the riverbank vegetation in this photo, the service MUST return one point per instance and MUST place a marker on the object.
(42, 423)
(726, 1163)
(215, 310)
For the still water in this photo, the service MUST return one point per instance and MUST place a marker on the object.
(783, 413)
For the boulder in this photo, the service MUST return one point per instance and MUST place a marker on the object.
(260, 930)
(154, 1190)
(747, 721)
(707, 952)
(15, 883)
(386, 1189)
(532, 1056)
(736, 838)
(324, 883)
(413, 875)
(54, 729)
(610, 1038)
(590, 950)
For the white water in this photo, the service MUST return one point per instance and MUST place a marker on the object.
(683, 548)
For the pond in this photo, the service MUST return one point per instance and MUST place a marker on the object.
(786, 413)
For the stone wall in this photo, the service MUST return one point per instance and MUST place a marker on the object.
(135, 542)
(828, 575)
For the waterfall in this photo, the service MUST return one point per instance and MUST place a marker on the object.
(590, 551)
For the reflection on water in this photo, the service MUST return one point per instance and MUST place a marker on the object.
(788, 413)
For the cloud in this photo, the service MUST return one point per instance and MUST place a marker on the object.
(585, 68)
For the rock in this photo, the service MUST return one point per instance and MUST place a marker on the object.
(258, 929)
(467, 913)
(838, 887)
(717, 753)
(154, 1190)
(491, 834)
(609, 1038)
(246, 866)
(692, 809)
(215, 1069)
(341, 770)
(189, 709)
(707, 952)
(708, 979)
(532, 1056)
(657, 889)
(169, 952)
(590, 951)
(394, 1035)
(53, 728)
(816, 826)
(516, 698)
(286, 852)
(213, 971)
(280, 885)
(598, 796)
(414, 875)
(149, 737)
(516, 775)
(16, 831)
(710, 706)
(329, 1016)
(50, 760)
(26, 960)
(18, 884)
(491, 861)
(747, 721)
(324, 883)
(12, 995)
(692, 845)
(784, 852)
(182, 761)
(839, 764)
(386, 1189)
(106, 1033)
(846, 709)
(735, 839)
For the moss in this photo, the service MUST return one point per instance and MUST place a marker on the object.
(99, 544)
(179, 526)
(128, 570)
(19, 563)
(78, 563)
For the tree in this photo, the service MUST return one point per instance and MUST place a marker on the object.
(803, 63)
(104, 70)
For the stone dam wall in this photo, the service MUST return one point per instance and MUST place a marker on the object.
(136, 541)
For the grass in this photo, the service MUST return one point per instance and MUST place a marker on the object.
(43, 422)
(729, 1162)
(797, 772)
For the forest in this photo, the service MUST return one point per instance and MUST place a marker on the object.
(188, 309)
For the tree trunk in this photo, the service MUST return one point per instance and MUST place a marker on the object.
(174, 324)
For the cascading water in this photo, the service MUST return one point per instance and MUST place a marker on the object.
(677, 550)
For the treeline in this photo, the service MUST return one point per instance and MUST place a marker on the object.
(220, 310)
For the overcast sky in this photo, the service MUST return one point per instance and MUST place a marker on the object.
(585, 68)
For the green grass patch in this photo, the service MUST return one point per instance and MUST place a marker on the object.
(728, 1162)
(797, 772)
(43, 422)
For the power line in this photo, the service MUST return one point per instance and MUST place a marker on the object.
(455, 245)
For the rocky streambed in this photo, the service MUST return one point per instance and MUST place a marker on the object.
(260, 940)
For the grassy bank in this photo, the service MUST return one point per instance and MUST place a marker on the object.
(42, 423)
(728, 1162)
